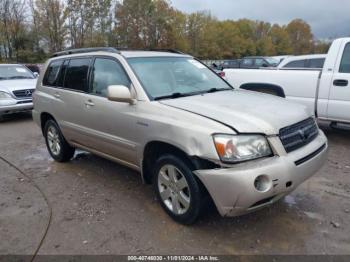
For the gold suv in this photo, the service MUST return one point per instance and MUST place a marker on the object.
(184, 128)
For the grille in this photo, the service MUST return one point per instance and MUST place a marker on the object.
(298, 135)
(25, 93)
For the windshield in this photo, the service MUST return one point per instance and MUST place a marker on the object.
(15, 72)
(177, 76)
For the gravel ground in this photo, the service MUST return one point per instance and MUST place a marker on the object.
(99, 207)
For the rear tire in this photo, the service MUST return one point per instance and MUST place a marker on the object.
(56, 144)
(177, 189)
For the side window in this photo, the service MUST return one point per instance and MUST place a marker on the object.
(316, 63)
(77, 74)
(345, 61)
(50, 78)
(62, 73)
(296, 64)
(106, 72)
(259, 62)
(247, 62)
(233, 63)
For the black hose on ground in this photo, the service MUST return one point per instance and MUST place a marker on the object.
(45, 198)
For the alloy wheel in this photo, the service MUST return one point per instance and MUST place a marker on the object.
(53, 140)
(173, 189)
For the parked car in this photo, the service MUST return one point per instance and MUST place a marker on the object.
(235, 63)
(255, 62)
(34, 68)
(217, 69)
(249, 63)
(17, 84)
(185, 129)
(326, 92)
(280, 58)
(310, 62)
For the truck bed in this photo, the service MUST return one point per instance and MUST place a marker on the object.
(298, 85)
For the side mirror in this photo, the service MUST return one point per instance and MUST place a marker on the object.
(265, 65)
(36, 74)
(119, 93)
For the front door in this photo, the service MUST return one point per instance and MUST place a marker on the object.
(111, 124)
(339, 96)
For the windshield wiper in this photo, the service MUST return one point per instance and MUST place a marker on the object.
(173, 95)
(213, 90)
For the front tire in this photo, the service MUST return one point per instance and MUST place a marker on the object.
(177, 189)
(56, 144)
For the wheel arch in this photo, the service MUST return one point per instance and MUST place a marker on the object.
(155, 149)
(44, 117)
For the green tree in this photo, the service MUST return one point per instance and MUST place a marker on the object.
(301, 36)
(281, 41)
(49, 18)
(321, 47)
(60, 24)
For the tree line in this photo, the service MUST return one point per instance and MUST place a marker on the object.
(31, 30)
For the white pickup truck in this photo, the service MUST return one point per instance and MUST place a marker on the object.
(326, 92)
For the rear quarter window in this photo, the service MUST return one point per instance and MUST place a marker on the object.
(50, 78)
(296, 64)
(62, 73)
(316, 63)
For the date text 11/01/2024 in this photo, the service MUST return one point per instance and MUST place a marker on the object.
(173, 258)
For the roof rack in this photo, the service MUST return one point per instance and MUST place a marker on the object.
(86, 50)
(167, 50)
(150, 49)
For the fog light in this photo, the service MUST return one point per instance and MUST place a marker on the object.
(263, 183)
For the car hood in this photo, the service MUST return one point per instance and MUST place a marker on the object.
(17, 84)
(244, 111)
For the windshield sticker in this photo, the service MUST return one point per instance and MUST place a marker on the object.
(196, 64)
(20, 70)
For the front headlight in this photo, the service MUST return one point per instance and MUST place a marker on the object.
(4, 95)
(238, 148)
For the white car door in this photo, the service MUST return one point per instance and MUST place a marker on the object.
(339, 95)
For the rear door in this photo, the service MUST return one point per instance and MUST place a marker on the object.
(70, 99)
(339, 95)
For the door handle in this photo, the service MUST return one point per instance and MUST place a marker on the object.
(57, 95)
(340, 82)
(89, 103)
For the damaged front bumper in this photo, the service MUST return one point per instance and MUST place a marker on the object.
(235, 191)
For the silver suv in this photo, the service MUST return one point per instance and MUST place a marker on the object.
(17, 84)
(185, 129)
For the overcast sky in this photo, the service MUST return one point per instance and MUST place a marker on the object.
(328, 18)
